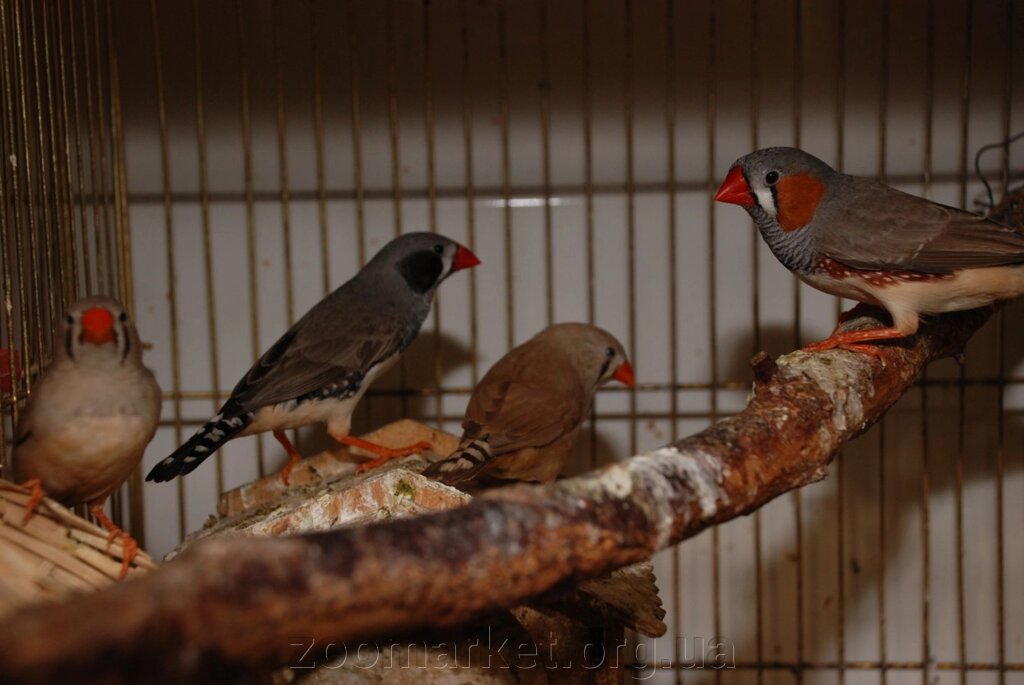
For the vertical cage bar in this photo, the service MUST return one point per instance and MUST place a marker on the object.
(357, 162)
(673, 302)
(60, 202)
(96, 243)
(245, 117)
(172, 304)
(883, 139)
(106, 192)
(1001, 401)
(396, 163)
(17, 266)
(318, 140)
(204, 207)
(965, 108)
(466, 97)
(428, 124)
(135, 487)
(33, 315)
(357, 135)
(545, 140)
(797, 496)
(284, 192)
(841, 467)
(51, 276)
(7, 310)
(74, 229)
(755, 275)
(506, 180)
(588, 191)
(629, 106)
(83, 233)
(925, 497)
(712, 115)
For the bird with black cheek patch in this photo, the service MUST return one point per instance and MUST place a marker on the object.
(860, 239)
(321, 367)
(90, 416)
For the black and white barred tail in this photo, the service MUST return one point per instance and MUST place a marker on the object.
(463, 464)
(205, 442)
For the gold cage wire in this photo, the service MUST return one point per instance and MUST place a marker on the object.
(106, 103)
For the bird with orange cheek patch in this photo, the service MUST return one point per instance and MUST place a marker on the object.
(860, 239)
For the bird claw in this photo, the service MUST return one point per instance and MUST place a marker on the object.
(854, 341)
(386, 454)
(36, 486)
(129, 547)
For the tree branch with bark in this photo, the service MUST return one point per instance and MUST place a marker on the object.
(229, 608)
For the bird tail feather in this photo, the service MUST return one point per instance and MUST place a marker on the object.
(463, 464)
(194, 452)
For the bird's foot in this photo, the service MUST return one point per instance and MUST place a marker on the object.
(854, 341)
(129, 547)
(384, 454)
(293, 456)
(36, 486)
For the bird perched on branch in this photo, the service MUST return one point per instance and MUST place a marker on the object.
(524, 416)
(90, 416)
(861, 239)
(320, 368)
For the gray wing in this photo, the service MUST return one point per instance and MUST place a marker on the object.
(901, 231)
(307, 360)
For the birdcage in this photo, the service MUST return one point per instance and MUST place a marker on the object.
(221, 165)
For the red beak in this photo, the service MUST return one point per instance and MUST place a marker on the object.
(624, 374)
(734, 189)
(98, 326)
(464, 259)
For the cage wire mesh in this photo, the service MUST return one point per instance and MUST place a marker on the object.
(222, 165)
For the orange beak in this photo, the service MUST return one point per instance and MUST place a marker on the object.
(734, 189)
(624, 374)
(464, 259)
(98, 326)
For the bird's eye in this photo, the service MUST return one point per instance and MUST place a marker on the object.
(771, 178)
(70, 320)
(610, 352)
(439, 249)
(123, 317)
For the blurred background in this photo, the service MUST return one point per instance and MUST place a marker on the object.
(222, 165)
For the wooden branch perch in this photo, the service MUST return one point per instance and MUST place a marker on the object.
(229, 607)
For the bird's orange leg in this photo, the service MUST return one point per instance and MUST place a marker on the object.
(129, 548)
(384, 454)
(36, 486)
(293, 455)
(853, 341)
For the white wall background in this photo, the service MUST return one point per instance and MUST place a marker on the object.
(635, 87)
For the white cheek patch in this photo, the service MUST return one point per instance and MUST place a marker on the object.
(765, 199)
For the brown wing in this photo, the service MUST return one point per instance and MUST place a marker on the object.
(525, 400)
(882, 228)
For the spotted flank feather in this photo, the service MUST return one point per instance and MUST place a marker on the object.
(205, 442)
(463, 464)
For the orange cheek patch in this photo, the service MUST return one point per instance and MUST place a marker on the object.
(798, 198)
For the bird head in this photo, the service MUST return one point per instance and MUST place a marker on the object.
(595, 352)
(425, 259)
(782, 185)
(98, 325)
